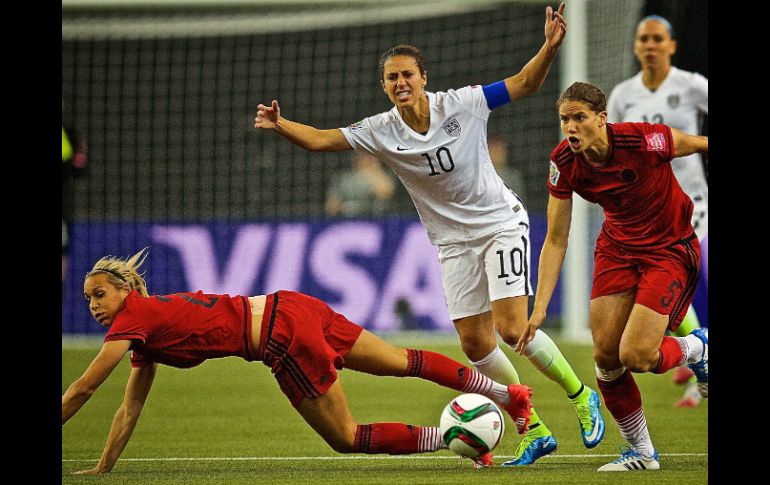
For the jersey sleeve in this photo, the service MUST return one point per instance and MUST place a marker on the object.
(658, 142)
(700, 92)
(360, 135)
(138, 360)
(473, 99)
(557, 185)
(126, 328)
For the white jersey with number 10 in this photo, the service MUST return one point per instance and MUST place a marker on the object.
(447, 171)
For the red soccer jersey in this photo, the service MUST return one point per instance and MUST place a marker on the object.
(644, 206)
(183, 329)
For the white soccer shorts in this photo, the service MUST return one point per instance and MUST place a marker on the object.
(475, 273)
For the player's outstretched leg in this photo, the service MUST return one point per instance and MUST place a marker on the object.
(330, 417)
(373, 355)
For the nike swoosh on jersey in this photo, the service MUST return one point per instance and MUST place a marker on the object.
(509, 283)
(401, 149)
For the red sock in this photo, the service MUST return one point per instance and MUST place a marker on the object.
(396, 439)
(437, 368)
(670, 355)
(621, 396)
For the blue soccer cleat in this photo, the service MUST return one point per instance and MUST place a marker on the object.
(701, 367)
(590, 418)
(630, 460)
(530, 449)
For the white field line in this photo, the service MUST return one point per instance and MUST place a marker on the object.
(335, 458)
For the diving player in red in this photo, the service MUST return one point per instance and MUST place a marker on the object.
(300, 338)
(646, 260)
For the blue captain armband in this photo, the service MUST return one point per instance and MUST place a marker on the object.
(496, 94)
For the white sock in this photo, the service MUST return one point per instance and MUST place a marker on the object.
(692, 348)
(634, 430)
(478, 383)
(498, 367)
(430, 440)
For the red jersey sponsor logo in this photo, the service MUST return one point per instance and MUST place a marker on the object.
(656, 142)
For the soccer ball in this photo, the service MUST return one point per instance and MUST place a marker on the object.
(471, 425)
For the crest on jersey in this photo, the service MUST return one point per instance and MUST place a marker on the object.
(452, 127)
(673, 101)
(358, 126)
(553, 175)
(656, 142)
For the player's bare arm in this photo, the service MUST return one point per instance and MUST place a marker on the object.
(532, 75)
(551, 259)
(80, 391)
(304, 136)
(686, 144)
(123, 424)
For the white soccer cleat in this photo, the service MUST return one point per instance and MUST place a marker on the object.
(630, 460)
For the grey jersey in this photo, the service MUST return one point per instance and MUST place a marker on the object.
(447, 172)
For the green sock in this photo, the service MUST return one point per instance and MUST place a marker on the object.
(536, 425)
(548, 359)
(689, 323)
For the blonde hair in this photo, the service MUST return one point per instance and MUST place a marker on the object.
(122, 271)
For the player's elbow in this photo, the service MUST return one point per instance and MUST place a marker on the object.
(522, 85)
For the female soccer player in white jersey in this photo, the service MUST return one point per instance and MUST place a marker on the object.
(435, 142)
(661, 93)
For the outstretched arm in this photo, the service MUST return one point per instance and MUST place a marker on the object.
(82, 389)
(137, 389)
(551, 259)
(532, 75)
(686, 144)
(304, 136)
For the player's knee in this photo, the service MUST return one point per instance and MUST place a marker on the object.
(476, 348)
(606, 359)
(510, 326)
(510, 334)
(637, 360)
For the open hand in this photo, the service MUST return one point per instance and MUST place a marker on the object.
(555, 26)
(535, 321)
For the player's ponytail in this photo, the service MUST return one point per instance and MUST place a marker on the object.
(120, 271)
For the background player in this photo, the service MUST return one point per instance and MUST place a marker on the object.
(436, 145)
(661, 93)
(646, 258)
(300, 338)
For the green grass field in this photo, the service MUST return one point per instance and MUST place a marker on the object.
(226, 422)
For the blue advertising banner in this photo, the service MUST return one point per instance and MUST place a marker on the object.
(382, 274)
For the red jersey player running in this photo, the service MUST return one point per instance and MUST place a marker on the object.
(646, 260)
(300, 338)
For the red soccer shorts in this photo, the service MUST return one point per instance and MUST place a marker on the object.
(664, 278)
(304, 342)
